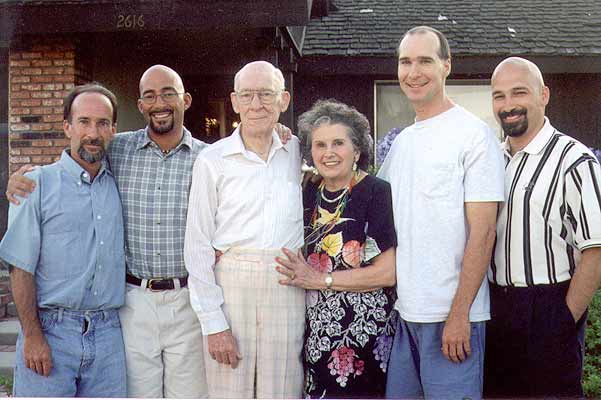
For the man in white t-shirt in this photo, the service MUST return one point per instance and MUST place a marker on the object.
(446, 173)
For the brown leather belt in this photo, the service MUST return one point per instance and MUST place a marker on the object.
(157, 284)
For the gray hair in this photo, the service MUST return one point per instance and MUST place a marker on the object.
(331, 112)
(278, 77)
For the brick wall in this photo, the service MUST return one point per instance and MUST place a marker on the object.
(40, 76)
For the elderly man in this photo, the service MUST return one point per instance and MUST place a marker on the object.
(153, 169)
(246, 202)
(547, 260)
(446, 175)
(64, 245)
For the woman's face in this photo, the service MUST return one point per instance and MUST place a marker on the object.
(333, 154)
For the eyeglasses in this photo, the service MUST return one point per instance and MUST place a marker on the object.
(169, 97)
(265, 96)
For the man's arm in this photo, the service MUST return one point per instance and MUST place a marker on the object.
(585, 282)
(36, 352)
(481, 220)
(206, 296)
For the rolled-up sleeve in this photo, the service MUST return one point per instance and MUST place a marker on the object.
(206, 296)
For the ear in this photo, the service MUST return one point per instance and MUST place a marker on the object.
(234, 101)
(187, 100)
(67, 128)
(546, 95)
(284, 101)
(140, 106)
(447, 67)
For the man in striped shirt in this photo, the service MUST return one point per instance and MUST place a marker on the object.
(547, 260)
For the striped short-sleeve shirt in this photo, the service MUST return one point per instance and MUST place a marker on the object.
(552, 211)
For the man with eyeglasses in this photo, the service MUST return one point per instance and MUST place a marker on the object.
(152, 166)
(245, 201)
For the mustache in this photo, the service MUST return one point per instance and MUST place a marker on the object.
(94, 142)
(166, 109)
(512, 113)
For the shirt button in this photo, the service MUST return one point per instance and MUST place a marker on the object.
(99, 217)
(95, 293)
(100, 267)
(101, 243)
(158, 222)
(158, 253)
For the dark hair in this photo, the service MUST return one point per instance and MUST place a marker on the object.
(332, 112)
(444, 51)
(92, 87)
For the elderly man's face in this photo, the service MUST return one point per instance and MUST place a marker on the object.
(518, 100)
(260, 115)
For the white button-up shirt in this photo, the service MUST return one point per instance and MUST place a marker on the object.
(239, 200)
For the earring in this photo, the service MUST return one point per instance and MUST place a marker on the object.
(354, 166)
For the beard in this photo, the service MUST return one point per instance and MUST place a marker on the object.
(161, 128)
(88, 157)
(514, 129)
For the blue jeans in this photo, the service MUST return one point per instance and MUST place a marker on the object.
(418, 369)
(88, 358)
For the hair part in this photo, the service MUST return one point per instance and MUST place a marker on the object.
(332, 112)
(444, 50)
(92, 87)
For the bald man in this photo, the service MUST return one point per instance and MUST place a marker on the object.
(547, 260)
(246, 202)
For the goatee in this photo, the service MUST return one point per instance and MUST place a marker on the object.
(88, 157)
(514, 129)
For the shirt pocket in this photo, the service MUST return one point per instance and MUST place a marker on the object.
(61, 254)
(436, 180)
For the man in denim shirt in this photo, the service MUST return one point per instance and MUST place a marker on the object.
(65, 246)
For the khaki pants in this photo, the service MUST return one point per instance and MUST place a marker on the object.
(163, 344)
(268, 322)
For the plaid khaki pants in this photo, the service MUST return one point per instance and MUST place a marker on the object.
(268, 321)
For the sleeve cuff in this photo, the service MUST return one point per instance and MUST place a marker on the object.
(213, 322)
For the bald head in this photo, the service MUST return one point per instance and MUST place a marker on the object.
(260, 66)
(526, 68)
(163, 71)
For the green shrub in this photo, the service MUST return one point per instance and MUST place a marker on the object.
(592, 359)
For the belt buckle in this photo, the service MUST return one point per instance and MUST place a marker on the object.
(150, 282)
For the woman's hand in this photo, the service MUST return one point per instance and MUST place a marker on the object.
(298, 272)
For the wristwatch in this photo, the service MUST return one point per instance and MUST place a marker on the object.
(329, 280)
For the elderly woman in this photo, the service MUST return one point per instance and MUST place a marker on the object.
(350, 243)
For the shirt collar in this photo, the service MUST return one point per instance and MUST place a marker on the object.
(77, 171)
(538, 143)
(236, 145)
(145, 139)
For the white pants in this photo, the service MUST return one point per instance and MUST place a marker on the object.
(163, 344)
(268, 322)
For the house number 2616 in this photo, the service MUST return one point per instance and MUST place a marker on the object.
(130, 21)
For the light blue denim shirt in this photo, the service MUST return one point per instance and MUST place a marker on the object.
(69, 234)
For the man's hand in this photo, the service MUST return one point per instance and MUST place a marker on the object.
(456, 338)
(223, 348)
(19, 185)
(283, 132)
(37, 354)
